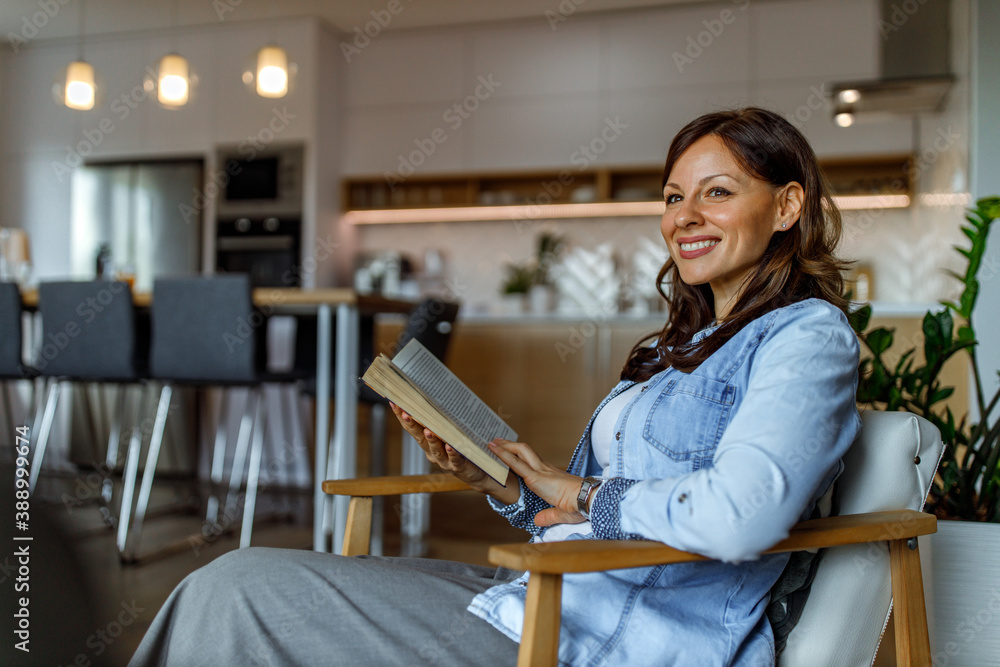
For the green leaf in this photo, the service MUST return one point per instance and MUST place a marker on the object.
(940, 395)
(965, 333)
(879, 340)
(859, 318)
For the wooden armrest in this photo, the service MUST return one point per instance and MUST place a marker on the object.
(390, 486)
(594, 555)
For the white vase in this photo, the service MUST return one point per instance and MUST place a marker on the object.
(961, 569)
(512, 304)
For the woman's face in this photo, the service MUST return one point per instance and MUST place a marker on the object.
(719, 219)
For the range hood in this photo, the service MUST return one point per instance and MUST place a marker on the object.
(915, 63)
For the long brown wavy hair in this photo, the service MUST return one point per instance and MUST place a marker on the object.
(798, 264)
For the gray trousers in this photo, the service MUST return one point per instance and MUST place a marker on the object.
(263, 606)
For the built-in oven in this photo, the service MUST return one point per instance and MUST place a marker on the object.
(266, 247)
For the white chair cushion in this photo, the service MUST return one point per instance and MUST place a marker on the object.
(889, 467)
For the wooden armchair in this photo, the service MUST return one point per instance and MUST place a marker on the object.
(887, 442)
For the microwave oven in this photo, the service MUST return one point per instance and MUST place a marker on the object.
(261, 181)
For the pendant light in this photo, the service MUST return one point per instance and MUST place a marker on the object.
(80, 89)
(173, 76)
(272, 72)
(173, 85)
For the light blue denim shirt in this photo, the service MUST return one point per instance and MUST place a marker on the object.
(722, 461)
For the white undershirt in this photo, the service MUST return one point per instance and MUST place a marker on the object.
(602, 433)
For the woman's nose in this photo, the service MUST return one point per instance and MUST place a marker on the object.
(687, 214)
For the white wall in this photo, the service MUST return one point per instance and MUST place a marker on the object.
(986, 182)
(557, 87)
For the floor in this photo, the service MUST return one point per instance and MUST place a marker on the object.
(126, 597)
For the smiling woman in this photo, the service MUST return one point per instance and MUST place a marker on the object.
(719, 437)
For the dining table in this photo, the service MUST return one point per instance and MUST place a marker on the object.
(334, 458)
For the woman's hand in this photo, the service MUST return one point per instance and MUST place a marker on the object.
(553, 485)
(449, 459)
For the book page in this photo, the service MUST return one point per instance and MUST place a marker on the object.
(462, 405)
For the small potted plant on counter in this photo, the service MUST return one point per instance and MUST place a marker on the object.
(964, 567)
(542, 295)
(514, 289)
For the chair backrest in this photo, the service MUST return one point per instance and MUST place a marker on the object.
(88, 330)
(204, 329)
(10, 330)
(431, 323)
(890, 466)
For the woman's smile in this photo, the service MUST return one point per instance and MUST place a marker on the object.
(696, 246)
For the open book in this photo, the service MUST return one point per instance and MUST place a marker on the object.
(418, 382)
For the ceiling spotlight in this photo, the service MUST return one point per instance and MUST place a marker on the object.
(849, 96)
(844, 119)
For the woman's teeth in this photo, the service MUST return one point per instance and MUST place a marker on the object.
(687, 247)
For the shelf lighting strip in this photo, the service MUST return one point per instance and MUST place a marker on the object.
(522, 212)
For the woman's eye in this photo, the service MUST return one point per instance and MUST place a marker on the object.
(673, 199)
(718, 192)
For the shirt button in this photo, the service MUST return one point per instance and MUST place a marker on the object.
(681, 498)
(618, 435)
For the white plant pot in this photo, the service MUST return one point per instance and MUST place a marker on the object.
(512, 304)
(541, 299)
(961, 571)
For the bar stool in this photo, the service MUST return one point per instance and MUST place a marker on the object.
(91, 334)
(204, 334)
(12, 367)
(431, 323)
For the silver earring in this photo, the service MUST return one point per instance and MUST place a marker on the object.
(783, 225)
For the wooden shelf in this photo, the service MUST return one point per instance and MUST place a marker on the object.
(869, 176)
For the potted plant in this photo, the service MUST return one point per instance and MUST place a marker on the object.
(515, 286)
(966, 492)
(542, 294)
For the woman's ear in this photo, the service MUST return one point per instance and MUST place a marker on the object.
(790, 199)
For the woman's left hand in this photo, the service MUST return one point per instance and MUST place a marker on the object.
(551, 484)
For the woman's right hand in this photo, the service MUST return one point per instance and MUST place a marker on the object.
(438, 451)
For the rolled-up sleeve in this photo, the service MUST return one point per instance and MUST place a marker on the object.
(795, 422)
(521, 514)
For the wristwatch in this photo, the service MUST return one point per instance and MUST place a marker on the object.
(587, 488)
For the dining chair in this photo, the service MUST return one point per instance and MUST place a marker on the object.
(204, 334)
(868, 572)
(91, 334)
(12, 366)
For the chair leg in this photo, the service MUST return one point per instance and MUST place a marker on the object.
(44, 430)
(111, 456)
(540, 635)
(357, 530)
(218, 461)
(239, 459)
(376, 468)
(912, 641)
(253, 473)
(129, 477)
(415, 510)
(155, 442)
